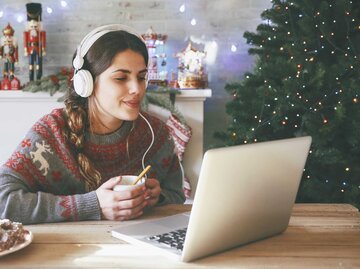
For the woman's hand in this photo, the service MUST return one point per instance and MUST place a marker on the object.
(153, 191)
(120, 205)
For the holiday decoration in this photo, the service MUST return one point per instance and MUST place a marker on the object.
(53, 83)
(34, 40)
(10, 56)
(181, 134)
(157, 73)
(305, 82)
(191, 70)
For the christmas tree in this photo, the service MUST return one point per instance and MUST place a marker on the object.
(305, 81)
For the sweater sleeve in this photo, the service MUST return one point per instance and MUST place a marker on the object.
(40, 182)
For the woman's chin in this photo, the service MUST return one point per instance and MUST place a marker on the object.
(132, 116)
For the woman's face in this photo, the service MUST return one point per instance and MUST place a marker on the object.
(119, 90)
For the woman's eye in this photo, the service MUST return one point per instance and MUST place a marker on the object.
(142, 78)
(121, 78)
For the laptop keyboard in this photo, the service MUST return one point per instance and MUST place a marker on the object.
(174, 239)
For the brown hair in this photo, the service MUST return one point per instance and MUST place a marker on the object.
(80, 111)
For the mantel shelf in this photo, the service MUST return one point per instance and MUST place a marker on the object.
(21, 96)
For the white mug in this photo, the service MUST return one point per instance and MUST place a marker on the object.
(126, 183)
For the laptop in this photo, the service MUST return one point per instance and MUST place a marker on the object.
(244, 193)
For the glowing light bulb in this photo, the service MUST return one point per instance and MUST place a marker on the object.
(233, 48)
(193, 22)
(1, 13)
(49, 10)
(182, 8)
(63, 3)
(20, 18)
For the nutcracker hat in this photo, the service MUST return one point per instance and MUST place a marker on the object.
(33, 11)
(83, 80)
(8, 30)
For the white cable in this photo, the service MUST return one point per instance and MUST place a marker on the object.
(152, 141)
(182, 173)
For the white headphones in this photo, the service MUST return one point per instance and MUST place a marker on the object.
(83, 80)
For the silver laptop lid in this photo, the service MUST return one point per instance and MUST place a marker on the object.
(244, 193)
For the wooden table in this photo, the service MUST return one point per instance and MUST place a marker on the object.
(319, 236)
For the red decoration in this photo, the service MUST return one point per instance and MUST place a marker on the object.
(9, 52)
(5, 84)
(181, 134)
(34, 40)
(15, 84)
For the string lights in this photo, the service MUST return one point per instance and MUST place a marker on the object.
(319, 51)
(20, 17)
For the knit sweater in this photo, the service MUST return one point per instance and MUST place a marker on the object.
(41, 181)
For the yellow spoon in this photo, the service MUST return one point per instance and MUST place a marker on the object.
(141, 174)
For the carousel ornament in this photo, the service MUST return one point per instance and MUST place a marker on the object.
(10, 56)
(191, 69)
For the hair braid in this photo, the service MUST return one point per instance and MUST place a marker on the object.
(76, 109)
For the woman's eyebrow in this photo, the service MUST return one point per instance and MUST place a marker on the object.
(143, 71)
(128, 71)
(122, 70)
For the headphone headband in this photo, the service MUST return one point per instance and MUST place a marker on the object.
(87, 42)
(98, 32)
(83, 81)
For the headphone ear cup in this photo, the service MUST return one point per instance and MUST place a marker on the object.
(83, 83)
(78, 62)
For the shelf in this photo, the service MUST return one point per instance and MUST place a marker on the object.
(21, 96)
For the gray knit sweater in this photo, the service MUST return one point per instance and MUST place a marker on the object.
(41, 181)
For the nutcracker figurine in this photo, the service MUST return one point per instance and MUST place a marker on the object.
(9, 53)
(34, 40)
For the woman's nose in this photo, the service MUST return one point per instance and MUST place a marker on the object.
(134, 87)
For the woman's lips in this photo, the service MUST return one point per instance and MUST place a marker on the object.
(132, 103)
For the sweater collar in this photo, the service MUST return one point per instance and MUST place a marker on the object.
(110, 138)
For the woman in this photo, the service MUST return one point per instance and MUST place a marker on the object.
(68, 163)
